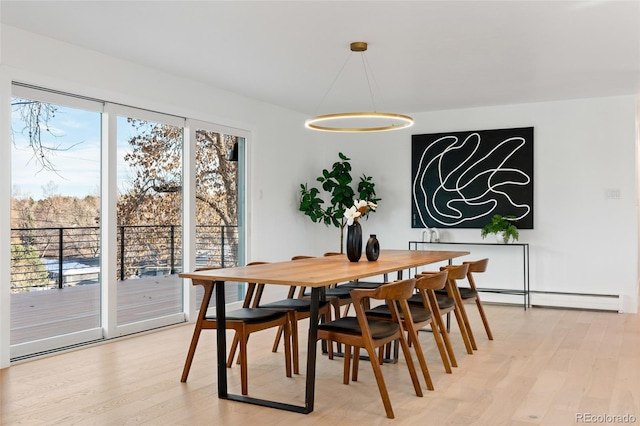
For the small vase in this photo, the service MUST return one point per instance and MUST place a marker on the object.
(373, 248)
(354, 242)
(502, 238)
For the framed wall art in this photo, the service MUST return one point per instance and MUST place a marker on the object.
(461, 179)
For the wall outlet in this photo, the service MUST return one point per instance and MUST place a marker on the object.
(612, 193)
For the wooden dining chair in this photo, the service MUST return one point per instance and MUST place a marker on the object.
(423, 315)
(303, 311)
(358, 284)
(363, 332)
(455, 273)
(297, 310)
(243, 321)
(420, 317)
(438, 307)
(470, 294)
(338, 295)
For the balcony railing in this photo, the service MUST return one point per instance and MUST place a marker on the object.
(44, 258)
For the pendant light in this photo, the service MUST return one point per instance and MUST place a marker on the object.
(359, 122)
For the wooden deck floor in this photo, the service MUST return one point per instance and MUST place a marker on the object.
(41, 314)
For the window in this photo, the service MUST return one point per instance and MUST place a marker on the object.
(63, 235)
(55, 238)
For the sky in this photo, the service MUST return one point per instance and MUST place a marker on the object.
(77, 133)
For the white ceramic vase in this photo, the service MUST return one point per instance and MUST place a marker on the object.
(501, 238)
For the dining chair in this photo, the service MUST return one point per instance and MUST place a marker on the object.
(470, 294)
(423, 314)
(337, 294)
(455, 273)
(243, 321)
(363, 332)
(297, 310)
(358, 283)
(438, 307)
(305, 307)
(420, 317)
(441, 305)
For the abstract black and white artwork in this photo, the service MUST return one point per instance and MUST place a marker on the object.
(461, 179)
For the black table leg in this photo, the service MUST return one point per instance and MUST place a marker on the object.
(222, 358)
(221, 322)
(312, 349)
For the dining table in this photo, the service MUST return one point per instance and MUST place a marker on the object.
(316, 273)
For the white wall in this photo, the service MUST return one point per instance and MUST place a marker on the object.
(582, 242)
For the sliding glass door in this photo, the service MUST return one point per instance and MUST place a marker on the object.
(149, 217)
(218, 243)
(104, 216)
(55, 216)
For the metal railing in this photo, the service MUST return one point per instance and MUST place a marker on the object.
(44, 258)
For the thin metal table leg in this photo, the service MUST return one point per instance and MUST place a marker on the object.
(312, 349)
(221, 335)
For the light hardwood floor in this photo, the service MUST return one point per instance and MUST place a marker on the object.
(545, 366)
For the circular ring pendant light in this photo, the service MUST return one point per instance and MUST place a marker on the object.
(397, 121)
(359, 122)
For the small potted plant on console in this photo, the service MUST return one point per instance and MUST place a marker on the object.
(503, 227)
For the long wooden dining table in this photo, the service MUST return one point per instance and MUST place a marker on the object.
(316, 273)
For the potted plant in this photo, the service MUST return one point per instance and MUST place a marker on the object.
(336, 182)
(503, 227)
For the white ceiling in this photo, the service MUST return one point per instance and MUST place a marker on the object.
(425, 55)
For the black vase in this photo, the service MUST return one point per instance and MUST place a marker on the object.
(354, 242)
(373, 248)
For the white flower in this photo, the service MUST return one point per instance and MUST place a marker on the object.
(351, 214)
(360, 204)
(371, 205)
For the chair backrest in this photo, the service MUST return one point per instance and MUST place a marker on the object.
(301, 257)
(432, 281)
(397, 290)
(456, 272)
(394, 292)
(477, 265)
(202, 282)
(426, 284)
(249, 298)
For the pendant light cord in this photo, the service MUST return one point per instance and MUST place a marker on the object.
(333, 83)
(367, 69)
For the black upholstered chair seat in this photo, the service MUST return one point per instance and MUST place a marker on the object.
(300, 305)
(341, 292)
(349, 325)
(467, 293)
(252, 315)
(444, 301)
(418, 314)
(361, 284)
(415, 300)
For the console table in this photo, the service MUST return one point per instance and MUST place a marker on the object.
(413, 245)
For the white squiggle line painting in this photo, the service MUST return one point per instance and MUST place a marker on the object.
(456, 182)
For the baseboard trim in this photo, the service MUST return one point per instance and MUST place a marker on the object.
(602, 302)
